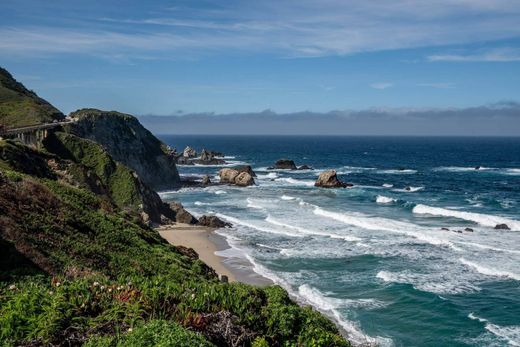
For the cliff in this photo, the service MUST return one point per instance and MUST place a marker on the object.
(128, 142)
(20, 106)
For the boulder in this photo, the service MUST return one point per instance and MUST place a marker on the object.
(213, 222)
(470, 230)
(502, 227)
(246, 168)
(205, 180)
(181, 215)
(234, 176)
(329, 179)
(285, 164)
(228, 175)
(189, 152)
(305, 167)
(445, 229)
(244, 179)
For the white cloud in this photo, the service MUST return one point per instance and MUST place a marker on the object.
(382, 85)
(503, 54)
(305, 28)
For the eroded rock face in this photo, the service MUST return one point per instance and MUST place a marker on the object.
(329, 179)
(228, 175)
(180, 215)
(244, 179)
(129, 143)
(285, 164)
(213, 222)
(246, 168)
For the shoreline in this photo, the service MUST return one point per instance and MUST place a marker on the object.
(214, 250)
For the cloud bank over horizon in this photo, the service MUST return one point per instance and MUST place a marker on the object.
(499, 119)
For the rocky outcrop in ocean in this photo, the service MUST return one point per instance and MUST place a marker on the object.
(329, 179)
(234, 176)
(287, 164)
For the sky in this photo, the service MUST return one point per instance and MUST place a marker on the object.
(162, 57)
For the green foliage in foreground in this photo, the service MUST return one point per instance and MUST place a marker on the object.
(95, 276)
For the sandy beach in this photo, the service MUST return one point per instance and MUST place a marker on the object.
(206, 243)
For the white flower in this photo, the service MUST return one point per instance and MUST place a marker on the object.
(130, 329)
(12, 287)
(193, 296)
(95, 284)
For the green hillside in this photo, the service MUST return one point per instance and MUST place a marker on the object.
(20, 106)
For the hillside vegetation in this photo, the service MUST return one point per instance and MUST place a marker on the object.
(20, 106)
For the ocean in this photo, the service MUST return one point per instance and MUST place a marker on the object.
(374, 257)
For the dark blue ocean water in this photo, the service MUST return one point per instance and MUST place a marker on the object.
(374, 257)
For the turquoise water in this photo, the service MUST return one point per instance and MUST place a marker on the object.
(374, 257)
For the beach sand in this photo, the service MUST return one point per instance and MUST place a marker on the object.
(205, 242)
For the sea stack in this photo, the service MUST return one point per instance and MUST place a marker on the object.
(329, 179)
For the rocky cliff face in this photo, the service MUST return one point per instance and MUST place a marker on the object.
(128, 142)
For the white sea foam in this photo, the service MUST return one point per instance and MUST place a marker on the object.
(302, 230)
(270, 175)
(287, 197)
(200, 203)
(460, 169)
(479, 218)
(409, 189)
(330, 305)
(384, 200)
(396, 171)
(292, 181)
(227, 164)
(251, 203)
(385, 224)
(490, 271)
(237, 221)
(496, 249)
(433, 283)
(510, 334)
(220, 192)
(493, 170)
(387, 185)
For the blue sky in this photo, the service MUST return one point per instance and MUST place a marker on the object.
(167, 57)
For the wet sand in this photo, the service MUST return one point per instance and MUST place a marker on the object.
(206, 243)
